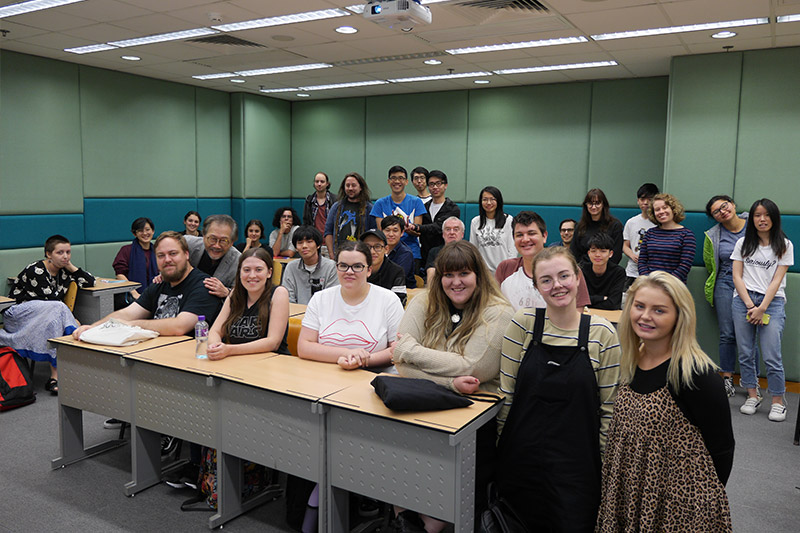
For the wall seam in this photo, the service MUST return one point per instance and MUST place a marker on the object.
(738, 126)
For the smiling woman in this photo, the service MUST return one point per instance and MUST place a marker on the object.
(669, 246)
(136, 261)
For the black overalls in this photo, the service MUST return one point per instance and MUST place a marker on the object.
(549, 451)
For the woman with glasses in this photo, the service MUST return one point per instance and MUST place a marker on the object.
(353, 324)
(596, 218)
(286, 221)
(491, 230)
(452, 334)
(717, 249)
(559, 373)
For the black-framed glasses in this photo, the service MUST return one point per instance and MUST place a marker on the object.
(435, 183)
(374, 248)
(344, 267)
(723, 206)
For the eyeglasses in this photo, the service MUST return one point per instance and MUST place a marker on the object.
(374, 248)
(594, 204)
(212, 240)
(432, 184)
(395, 179)
(344, 267)
(716, 211)
(567, 230)
(547, 283)
(488, 200)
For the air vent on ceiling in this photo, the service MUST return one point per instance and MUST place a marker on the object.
(522, 5)
(225, 39)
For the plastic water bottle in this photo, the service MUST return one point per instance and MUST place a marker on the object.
(201, 338)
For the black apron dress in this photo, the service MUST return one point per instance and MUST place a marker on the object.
(549, 451)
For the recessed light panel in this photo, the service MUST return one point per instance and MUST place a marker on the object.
(724, 35)
(681, 29)
(789, 18)
(215, 76)
(280, 70)
(546, 68)
(432, 62)
(347, 30)
(131, 58)
(237, 80)
(163, 37)
(343, 85)
(441, 77)
(282, 20)
(33, 5)
(90, 48)
(516, 46)
(286, 90)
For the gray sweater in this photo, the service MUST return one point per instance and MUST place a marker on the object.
(298, 280)
(226, 270)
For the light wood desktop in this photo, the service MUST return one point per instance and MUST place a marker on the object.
(413, 292)
(5, 303)
(297, 309)
(611, 316)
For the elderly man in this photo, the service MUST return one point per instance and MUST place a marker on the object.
(452, 231)
(214, 254)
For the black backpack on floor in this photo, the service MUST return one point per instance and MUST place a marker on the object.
(16, 384)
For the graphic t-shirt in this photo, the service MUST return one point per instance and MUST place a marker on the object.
(760, 267)
(410, 207)
(248, 328)
(372, 324)
(165, 301)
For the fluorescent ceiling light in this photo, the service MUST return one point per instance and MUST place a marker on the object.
(515, 46)
(215, 76)
(280, 70)
(357, 9)
(162, 37)
(283, 19)
(441, 77)
(286, 90)
(546, 68)
(681, 29)
(789, 18)
(33, 5)
(343, 85)
(90, 48)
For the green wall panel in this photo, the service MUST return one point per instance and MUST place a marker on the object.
(411, 130)
(525, 140)
(769, 129)
(702, 127)
(40, 136)
(327, 136)
(212, 111)
(262, 152)
(138, 136)
(629, 125)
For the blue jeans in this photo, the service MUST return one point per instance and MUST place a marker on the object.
(723, 297)
(770, 340)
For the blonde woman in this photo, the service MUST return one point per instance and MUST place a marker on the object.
(670, 445)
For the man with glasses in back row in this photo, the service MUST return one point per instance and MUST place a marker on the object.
(214, 254)
(385, 273)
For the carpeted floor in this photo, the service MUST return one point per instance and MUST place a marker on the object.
(88, 496)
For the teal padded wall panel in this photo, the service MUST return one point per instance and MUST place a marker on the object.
(138, 136)
(264, 150)
(768, 159)
(40, 136)
(525, 140)
(212, 112)
(212, 206)
(109, 219)
(327, 136)
(23, 231)
(629, 126)
(701, 129)
(100, 258)
(411, 130)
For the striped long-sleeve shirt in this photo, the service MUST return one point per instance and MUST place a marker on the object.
(670, 250)
(604, 354)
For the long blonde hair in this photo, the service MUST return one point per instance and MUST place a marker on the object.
(456, 257)
(687, 357)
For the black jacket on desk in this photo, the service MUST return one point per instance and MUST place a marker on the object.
(430, 231)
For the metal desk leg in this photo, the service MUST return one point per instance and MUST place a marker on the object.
(229, 491)
(70, 432)
(797, 426)
(145, 460)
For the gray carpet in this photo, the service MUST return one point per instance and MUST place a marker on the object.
(88, 496)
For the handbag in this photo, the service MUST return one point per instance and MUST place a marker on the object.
(500, 516)
(115, 333)
(413, 394)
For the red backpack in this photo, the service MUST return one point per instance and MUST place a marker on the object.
(16, 385)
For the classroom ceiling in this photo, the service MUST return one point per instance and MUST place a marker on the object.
(377, 54)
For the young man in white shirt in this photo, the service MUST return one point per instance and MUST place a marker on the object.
(634, 231)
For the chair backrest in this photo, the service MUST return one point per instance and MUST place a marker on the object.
(420, 281)
(72, 293)
(277, 272)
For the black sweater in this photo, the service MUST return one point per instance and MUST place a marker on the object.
(605, 292)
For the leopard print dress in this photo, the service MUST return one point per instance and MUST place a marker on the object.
(657, 472)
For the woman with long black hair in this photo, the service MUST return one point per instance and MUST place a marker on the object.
(491, 230)
(596, 218)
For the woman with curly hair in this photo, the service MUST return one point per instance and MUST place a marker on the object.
(669, 246)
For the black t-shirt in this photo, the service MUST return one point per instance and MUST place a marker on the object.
(208, 265)
(248, 328)
(391, 276)
(165, 301)
(705, 406)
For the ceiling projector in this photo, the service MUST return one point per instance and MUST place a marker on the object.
(397, 14)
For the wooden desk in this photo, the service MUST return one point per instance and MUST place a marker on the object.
(5, 303)
(611, 316)
(297, 309)
(94, 303)
(97, 379)
(421, 461)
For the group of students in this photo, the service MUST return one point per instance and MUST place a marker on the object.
(627, 431)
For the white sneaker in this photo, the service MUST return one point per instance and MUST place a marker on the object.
(750, 406)
(778, 412)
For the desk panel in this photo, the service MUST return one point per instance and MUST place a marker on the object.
(94, 303)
